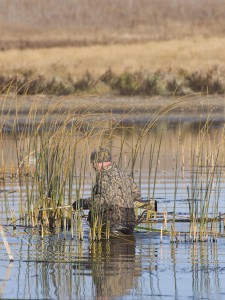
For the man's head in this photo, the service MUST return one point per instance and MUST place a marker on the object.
(101, 158)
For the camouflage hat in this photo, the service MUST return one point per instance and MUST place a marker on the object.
(101, 155)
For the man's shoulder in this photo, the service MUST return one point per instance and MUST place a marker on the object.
(117, 172)
(115, 169)
(112, 170)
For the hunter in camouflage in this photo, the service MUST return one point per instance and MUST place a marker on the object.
(113, 195)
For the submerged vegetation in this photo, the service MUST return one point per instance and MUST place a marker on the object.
(50, 164)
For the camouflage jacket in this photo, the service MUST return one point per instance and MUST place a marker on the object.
(114, 187)
(113, 197)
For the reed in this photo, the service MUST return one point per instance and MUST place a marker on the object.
(205, 189)
(6, 244)
(52, 152)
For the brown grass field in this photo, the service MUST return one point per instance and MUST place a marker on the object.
(30, 23)
(61, 40)
(189, 54)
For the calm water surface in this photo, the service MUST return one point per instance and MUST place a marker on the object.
(134, 267)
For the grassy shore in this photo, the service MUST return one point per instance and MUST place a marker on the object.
(188, 54)
(159, 67)
(122, 47)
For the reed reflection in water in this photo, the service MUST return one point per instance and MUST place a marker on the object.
(134, 268)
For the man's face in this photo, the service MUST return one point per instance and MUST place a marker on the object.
(98, 166)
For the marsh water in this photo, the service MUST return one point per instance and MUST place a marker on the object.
(141, 266)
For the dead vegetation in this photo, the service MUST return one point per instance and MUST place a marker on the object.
(155, 68)
(29, 23)
(127, 84)
(124, 47)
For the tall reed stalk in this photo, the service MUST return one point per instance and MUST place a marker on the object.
(52, 154)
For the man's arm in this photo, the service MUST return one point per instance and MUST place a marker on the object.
(138, 202)
(136, 192)
(148, 205)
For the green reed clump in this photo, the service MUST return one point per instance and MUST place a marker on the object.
(60, 142)
(177, 85)
(59, 87)
(49, 183)
(85, 83)
(154, 84)
(211, 81)
(138, 83)
(204, 192)
(126, 84)
(24, 84)
(54, 175)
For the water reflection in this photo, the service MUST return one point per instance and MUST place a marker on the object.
(68, 269)
(205, 269)
(6, 278)
(198, 266)
(115, 268)
(135, 268)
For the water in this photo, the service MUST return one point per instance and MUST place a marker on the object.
(129, 267)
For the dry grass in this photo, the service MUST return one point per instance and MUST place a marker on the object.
(184, 40)
(30, 23)
(189, 54)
